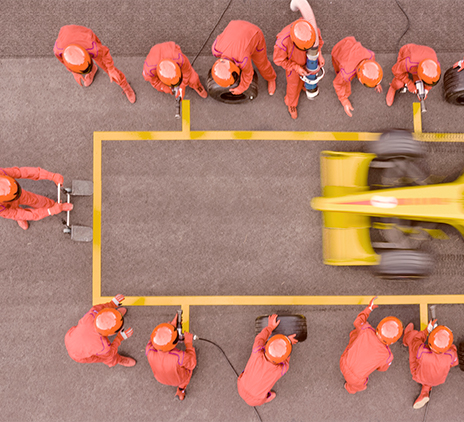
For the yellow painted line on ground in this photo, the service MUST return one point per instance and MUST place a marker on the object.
(416, 111)
(186, 301)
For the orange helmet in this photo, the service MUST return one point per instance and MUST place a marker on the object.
(77, 59)
(223, 72)
(302, 34)
(278, 348)
(389, 330)
(369, 73)
(164, 337)
(108, 321)
(9, 189)
(429, 71)
(169, 73)
(440, 339)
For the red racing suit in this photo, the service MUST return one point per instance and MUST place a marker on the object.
(285, 54)
(85, 345)
(427, 367)
(86, 38)
(242, 42)
(40, 204)
(409, 57)
(364, 354)
(169, 50)
(260, 375)
(346, 55)
(174, 367)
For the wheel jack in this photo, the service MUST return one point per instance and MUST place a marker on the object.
(78, 188)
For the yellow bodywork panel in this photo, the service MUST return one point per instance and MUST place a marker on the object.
(345, 237)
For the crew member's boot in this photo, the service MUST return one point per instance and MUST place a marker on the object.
(130, 94)
(423, 398)
(271, 87)
(293, 112)
(180, 394)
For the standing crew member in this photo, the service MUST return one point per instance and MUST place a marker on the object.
(290, 53)
(80, 50)
(238, 45)
(167, 67)
(12, 196)
(170, 365)
(268, 362)
(350, 59)
(88, 341)
(418, 62)
(368, 349)
(429, 363)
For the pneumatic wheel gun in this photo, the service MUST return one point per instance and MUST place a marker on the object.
(421, 94)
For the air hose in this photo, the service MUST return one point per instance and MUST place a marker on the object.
(230, 364)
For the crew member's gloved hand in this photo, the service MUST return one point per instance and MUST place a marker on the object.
(57, 208)
(321, 60)
(299, 69)
(77, 78)
(432, 324)
(188, 338)
(174, 321)
(378, 88)
(412, 87)
(348, 108)
(272, 322)
(117, 300)
(458, 64)
(180, 93)
(237, 91)
(113, 74)
(58, 179)
(371, 304)
(426, 93)
(293, 339)
(125, 334)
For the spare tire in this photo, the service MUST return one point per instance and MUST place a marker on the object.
(454, 86)
(461, 355)
(289, 324)
(396, 143)
(404, 264)
(224, 95)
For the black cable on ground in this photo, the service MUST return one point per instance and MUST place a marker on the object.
(229, 362)
(217, 23)
(407, 27)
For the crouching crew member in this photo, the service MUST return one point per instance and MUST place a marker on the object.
(170, 365)
(88, 341)
(418, 62)
(429, 362)
(350, 59)
(80, 50)
(268, 362)
(239, 46)
(290, 53)
(368, 349)
(166, 68)
(12, 197)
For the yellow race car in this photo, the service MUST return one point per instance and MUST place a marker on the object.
(353, 207)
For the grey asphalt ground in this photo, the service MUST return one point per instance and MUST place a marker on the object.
(204, 217)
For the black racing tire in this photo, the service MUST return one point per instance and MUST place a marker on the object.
(396, 143)
(461, 355)
(224, 95)
(453, 87)
(404, 264)
(289, 324)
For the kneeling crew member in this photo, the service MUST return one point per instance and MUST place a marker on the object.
(350, 59)
(12, 197)
(80, 50)
(88, 341)
(418, 62)
(170, 365)
(368, 349)
(268, 362)
(166, 67)
(429, 363)
(240, 44)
